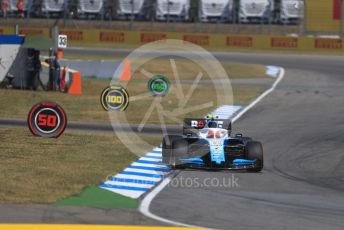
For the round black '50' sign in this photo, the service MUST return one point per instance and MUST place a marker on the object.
(47, 119)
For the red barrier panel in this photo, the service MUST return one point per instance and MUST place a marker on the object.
(328, 43)
(73, 35)
(337, 9)
(151, 37)
(106, 36)
(31, 32)
(201, 40)
(284, 42)
(233, 41)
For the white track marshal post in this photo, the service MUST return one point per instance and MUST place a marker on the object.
(61, 44)
(51, 62)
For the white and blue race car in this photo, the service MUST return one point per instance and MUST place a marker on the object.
(207, 143)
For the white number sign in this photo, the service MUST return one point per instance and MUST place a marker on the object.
(62, 41)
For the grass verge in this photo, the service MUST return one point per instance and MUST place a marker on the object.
(41, 170)
(99, 198)
(17, 103)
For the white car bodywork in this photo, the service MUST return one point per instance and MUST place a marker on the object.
(53, 6)
(129, 7)
(215, 10)
(255, 10)
(90, 6)
(172, 9)
(213, 133)
(291, 11)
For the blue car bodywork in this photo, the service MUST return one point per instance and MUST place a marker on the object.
(207, 143)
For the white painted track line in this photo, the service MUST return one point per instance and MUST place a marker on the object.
(149, 159)
(138, 178)
(153, 172)
(120, 183)
(150, 165)
(154, 154)
(145, 203)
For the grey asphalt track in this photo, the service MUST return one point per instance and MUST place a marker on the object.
(301, 125)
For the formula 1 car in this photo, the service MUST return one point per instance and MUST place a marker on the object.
(207, 143)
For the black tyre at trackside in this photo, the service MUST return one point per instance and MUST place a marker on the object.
(254, 151)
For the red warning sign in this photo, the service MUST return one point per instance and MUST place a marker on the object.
(47, 119)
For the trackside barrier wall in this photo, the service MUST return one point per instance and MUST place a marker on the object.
(113, 38)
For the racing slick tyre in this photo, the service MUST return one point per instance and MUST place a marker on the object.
(173, 147)
(254, 151)
(166, 147)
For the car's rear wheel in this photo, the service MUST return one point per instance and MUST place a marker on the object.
(166, 147)
(254, 151)
(173, 147)
(179, 149)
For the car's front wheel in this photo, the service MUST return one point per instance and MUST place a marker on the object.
(254, 151)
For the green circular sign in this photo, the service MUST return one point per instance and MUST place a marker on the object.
(158, 85)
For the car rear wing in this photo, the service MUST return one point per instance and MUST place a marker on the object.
(191, 125)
